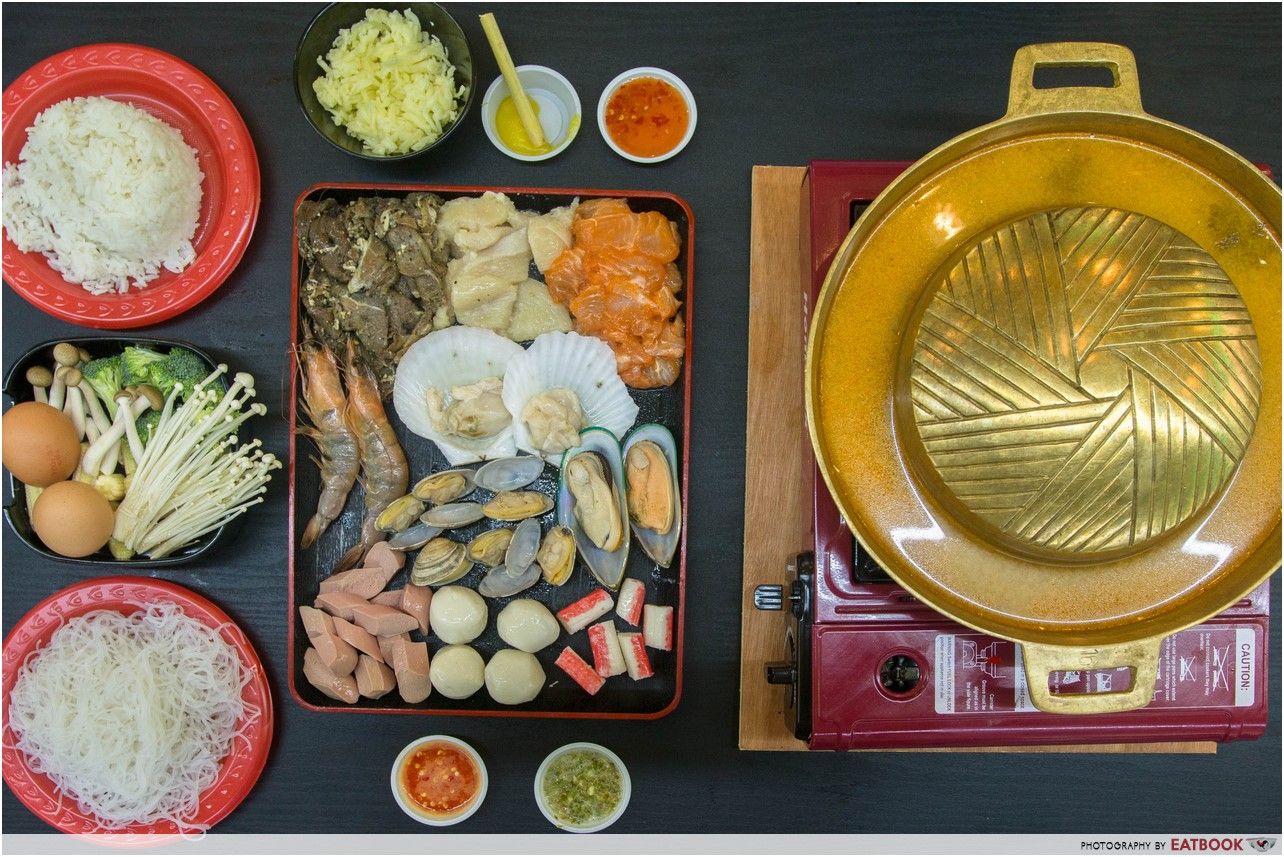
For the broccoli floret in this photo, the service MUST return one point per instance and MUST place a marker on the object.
(180, 366)
(146, 425)
(138, 361)
(106, 376)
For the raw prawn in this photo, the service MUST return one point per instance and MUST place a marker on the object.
(325, 409)
(619, 282)
(384, 472)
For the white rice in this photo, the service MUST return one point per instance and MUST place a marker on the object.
(108, 193)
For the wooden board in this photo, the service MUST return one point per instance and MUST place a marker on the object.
(777, 481)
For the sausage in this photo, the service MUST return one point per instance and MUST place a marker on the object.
(337, 656)
(343, 688)
(393, 650)
(381, 620)
(362, 582)
(316, 623)
(359, 638)
(373, 678)
(339, 603)
(412, 679)
(391, 598)
(415, 601)
(384, 557)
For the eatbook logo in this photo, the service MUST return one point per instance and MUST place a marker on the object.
(1261, 845)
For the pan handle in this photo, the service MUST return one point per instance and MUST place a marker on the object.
(1025, 99)
(1042, 661)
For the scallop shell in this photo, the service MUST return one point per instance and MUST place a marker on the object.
(607, 566)
(659, 546)
(451, 358)
(584, 364)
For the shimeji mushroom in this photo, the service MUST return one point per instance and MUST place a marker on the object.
(192, 477)
(130, 407)
(40, 378)
(74, 403)
(65, 355)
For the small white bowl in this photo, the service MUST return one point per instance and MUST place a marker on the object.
(418, 814)
(559, 109)
(669, 78)
(626, 787)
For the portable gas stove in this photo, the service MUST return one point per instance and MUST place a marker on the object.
(870, 667)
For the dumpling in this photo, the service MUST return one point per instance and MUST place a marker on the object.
(550, 234)
(527, 625)
(513, 677)
(457, 672)
(535, 312)
(457, 614)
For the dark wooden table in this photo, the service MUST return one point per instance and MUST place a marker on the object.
(774, 85)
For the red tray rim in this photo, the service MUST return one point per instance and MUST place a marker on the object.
(291, 393)
(254, 759)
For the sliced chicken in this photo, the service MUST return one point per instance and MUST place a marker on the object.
(415, 601)
(535, 312)
(340, 687)
(339, 604)
(362, 582)
(357, 637)
(373, 678)
(383, 621)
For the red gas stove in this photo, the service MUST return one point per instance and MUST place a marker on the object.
(871, 667)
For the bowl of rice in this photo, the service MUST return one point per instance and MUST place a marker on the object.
(384, 82)
(131, 186)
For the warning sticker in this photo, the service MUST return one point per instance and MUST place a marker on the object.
(1198, 668)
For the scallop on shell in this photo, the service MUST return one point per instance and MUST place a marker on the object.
(568, 361)
(654, 497)
(605, 565)
(443, 360)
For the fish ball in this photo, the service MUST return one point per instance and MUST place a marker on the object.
(457, 614)
(457, 672)
(527, 625)
(513, 677)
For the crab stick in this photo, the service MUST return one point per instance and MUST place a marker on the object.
(635, 658)
(605, 644)
(657, 627)
(584, 612)
(579, 670)
(632, 595)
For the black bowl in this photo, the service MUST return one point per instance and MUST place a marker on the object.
(319, 37)
(16, 389)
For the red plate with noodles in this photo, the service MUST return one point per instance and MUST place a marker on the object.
(238, 771)
(185, 99)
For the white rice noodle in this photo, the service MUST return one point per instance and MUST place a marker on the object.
(131, 716)
(108, 193)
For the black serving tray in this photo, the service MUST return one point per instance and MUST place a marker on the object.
(620, 698)
(16, 389)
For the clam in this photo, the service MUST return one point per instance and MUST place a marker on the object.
(509, 474)
(453, 515)
(441, 561)
(591, 503)
(400, 514)
(489, 548)
(444, 487)
(523, 548)
(517, 505)
(414, 538)
(498, 583)
(654, 496)
(556, 555)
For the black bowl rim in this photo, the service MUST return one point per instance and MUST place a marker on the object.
(359, 151)
(11, 378)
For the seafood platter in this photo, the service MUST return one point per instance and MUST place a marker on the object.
(491, 450)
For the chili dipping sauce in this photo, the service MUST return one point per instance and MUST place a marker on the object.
(440, 779)
(647, 117)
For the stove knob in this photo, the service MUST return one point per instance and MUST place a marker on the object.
(781, 674)
(769, 596)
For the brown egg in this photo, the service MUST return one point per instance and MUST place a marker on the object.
(72, 518)
(40, 445)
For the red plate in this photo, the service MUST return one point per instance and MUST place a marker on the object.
(186, 99)
(239, 771)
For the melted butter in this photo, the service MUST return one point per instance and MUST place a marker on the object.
(508, 125)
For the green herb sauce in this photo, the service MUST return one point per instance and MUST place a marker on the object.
(581, 787)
